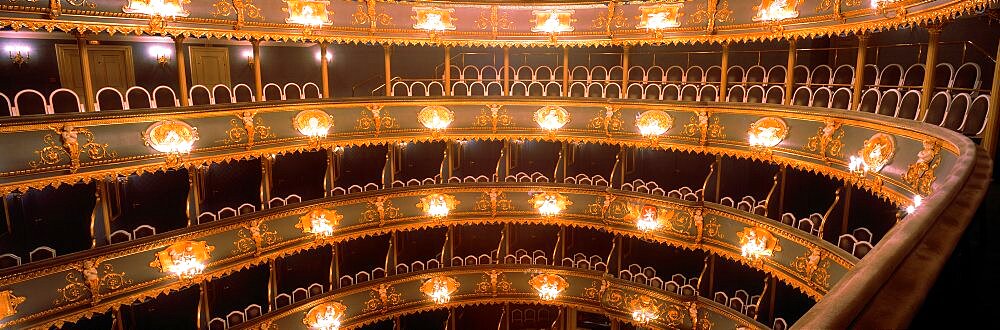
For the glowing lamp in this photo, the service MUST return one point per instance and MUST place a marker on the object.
(644, 309)
(439, 288)
(917, 200)
(660, 16)
(776, 10)
(185, 259)
(436, 118)
(319, 222)
(653, 123)
(325, 316)
(874, 155)
(172, 137)
(648, 219)
(160, 8)
(433, 19)
(767, 132)
(311, 13)
(757, 243)
(314, 124)
(553, 21)
(437, 205)
(18, 54)
(549, 203)
(161, 54)
(548, 285)
(551, 117)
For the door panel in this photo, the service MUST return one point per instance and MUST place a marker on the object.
(209, 66)
(110, 66)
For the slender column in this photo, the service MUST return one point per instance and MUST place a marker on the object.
(565, 58)
(334, 266)
(724, 84)
(933, 38)
(718, 178)
(118, 322)
(451, 319)
(506, 70)
(394, 245)
(847, 208)
(100, 225)
(387, 50)
(859, 71)
(204, 313)
(182, 80)
(790, 72)
(272, 285)
(990, 135)
(330, 179)
(618, 254)
(625, 64)
(258, 87)
(615, 325)
(6, 211)
(781, 191)
(773, 286)
(88, 83)
(324, 69)
(194, 195)
(570, 319)
(447, 70)
(265, 181)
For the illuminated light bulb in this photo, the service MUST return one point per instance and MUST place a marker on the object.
(437, 208)
(754, 247)
(910, 209)
(325, 316)
(857, 165)
(756, 243)
(549, 203)
(321, 226)
(777, 10)
(314, 124)
(653, 123)
(549, 207)
(437, 205)
(310, 13)
(548, 286)
(439, 288)
(162, 8)
(644, 316)
(647, 222)
(170, 136)
(186, 266)
(436, 117)
(551, 118)
(185, 259)
(917, 200)
(553, 21)
(319, 222)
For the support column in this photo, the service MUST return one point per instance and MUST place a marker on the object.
(6, 210)
(258, 86)
(387, 50)
(451, 319)
(724, 83)
(204, 313)
(565, 60)
(790, 72)
(265, 181)
(100, 220)
(272, 285)
(182, 81)
(718, 178)
(859, 71)
(933, 39)
(506, 70)
(990, 135)
(334, 266)
(88, 83)
(332, 164)
(447, 71)
(615, 325)
(324, 69)
(194, 195)
(570, 319)
(625, 64)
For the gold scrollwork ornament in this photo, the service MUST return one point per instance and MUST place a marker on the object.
(920, 175)
(247, 126)
(9, 303)
(375, 119)
(254, 236)
(813, 268)
(379, 210)
(69, 148)
(494, 201)
(383, 297)
(494, 116)
(827, 142)
(494, 282)
(703, 125)
(608, 120)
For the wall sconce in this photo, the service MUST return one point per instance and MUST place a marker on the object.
(437, 206)
(551, 117)
(161, 54)
(549, 203)
(18, 54)
(553, 21)
(249, 55)
(873, 156)
(658, 17)
(174, 138)
(325, 316)
(186, 259)
(776, 10)
(647, 218)
(433, 19)
(161, 8)
(310, 13)
(436, 118)
(319, 222)
(548, 285)
(917, 200)
(757, 243)
(766, 133)
(439, 288)
(653, 123)
(314, 124)
(644, 309)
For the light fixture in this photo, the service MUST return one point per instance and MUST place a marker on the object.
(647, 218)
(873, 156)
(18, 54)
(309, 13)
(439, 288)
(644, 309)
(549, 203)
(329, 56)
(157, 8)
(437, 205)
(757, 243)
(161, 54)
(551, 117)
(653, 123)
(436, 118)
(9, 303)
(172, 137)
(917, 200)
(249, 55)
(433, 19)
(553, 21)
(776, 10)
(658, 17)
(319, 222)
(185, 259)
(325, 316)
(766, 133)
(548, 285)
(315, 124)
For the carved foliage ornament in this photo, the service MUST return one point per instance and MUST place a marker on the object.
(97, 279)
(382, 298)
(9, 303)
(701, 127)
(920, 175)
(69, 148)
(494, 282)
(368, 14)
(494, 20)
(247, 129)
(614, 19)
(254, 236)
(494, 201)
(242, 9)
(494, 116)
(608, 120)
(826, 142)
(813, 268)
(379, 210)
(376, 119)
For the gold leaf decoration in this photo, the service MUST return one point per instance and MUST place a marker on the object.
(494, 20)
(494, 116)
(69, 148)
(494, 201)
(608, 120)
(920, 175)
(246, 127)
(494, 282)
(827, 142)
(376, 119)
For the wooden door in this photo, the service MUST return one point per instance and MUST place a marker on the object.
(110, 66)
(209, 66)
